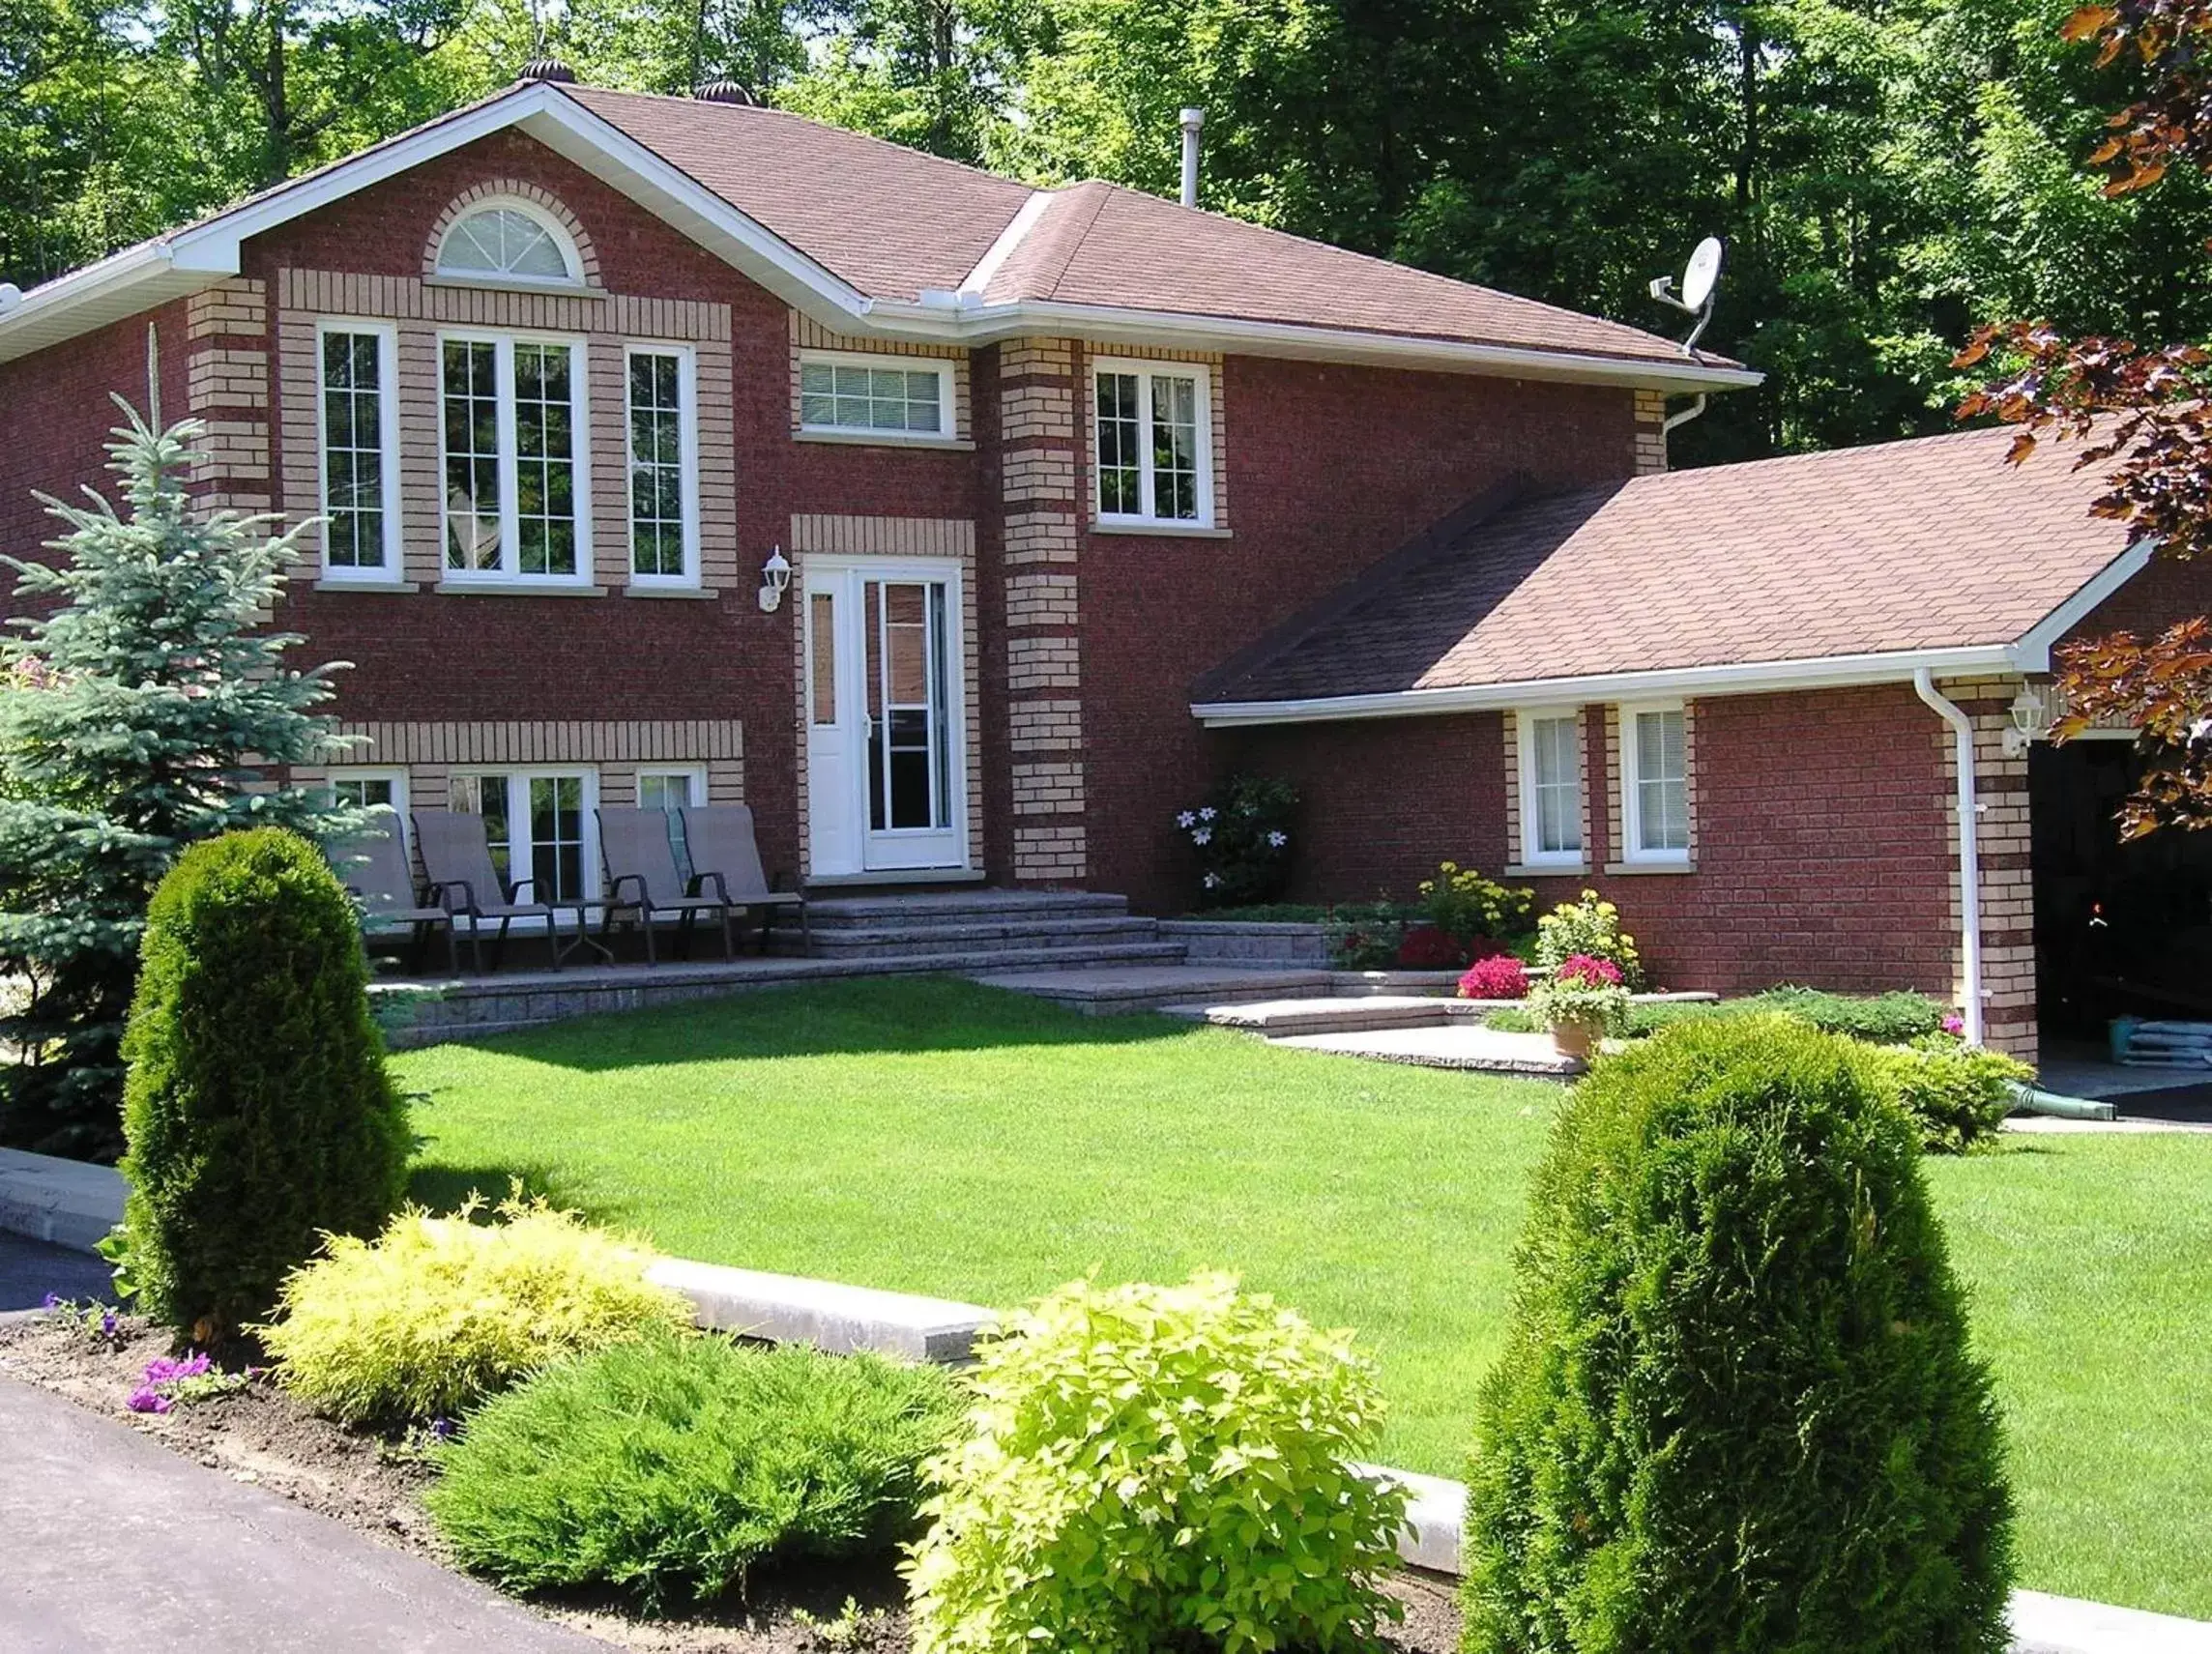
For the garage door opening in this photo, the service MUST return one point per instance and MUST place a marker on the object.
(2120, 929)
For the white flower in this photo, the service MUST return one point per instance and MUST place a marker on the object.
(1211, 880)
(1207, 814)
(1203, 835)
(1186, 819)
(1276, 840)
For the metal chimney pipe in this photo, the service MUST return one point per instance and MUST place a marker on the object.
(1192, 121)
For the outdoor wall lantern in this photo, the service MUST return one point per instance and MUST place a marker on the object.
(774, 581)
(2034, 710)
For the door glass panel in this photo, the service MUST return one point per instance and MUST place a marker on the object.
(485, 796)
(941, 699)
(906, 642)
(557, 836)
(907, 781)
(821, 626)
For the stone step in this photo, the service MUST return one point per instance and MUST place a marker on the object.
(1109, 990)
(961, 907)
(1460, 1045)
(1321, 1014)
(901, 939)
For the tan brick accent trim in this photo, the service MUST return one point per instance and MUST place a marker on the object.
(946, 539)
(1217, 403)
(1650, 432)
(544, 200)
(608, 322)
(462, 744)
(229, 377)
(2002, 841)
(1039, 398)
(237, 307)
(806, 334)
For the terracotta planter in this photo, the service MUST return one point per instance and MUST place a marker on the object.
(1577, 1039)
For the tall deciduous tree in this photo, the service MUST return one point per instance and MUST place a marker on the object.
(143, 712)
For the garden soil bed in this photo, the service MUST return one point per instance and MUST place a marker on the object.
(374, 1484)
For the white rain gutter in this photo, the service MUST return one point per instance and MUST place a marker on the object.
(1969, 850)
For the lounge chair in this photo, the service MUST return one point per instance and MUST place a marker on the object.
(641, 878)
(463, 881)
(721, 840)
(372, 864)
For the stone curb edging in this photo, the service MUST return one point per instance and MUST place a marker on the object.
(72, 1205)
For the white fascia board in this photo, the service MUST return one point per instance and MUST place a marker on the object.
(2032, 653)
(1749, 677)
(123, 285)
(983, 323)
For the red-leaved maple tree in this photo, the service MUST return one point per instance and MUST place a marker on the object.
(2144, 409)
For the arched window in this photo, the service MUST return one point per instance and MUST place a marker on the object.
(507, 242)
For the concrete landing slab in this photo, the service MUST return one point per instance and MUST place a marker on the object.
(830, 1316)
(117, 1544)
(65, 1202)
(1321, 1014)
(1106, 989)
(1483, 1049)
(2044, 1624)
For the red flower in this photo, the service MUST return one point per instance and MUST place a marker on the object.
(1499, 976)
(1588, 971)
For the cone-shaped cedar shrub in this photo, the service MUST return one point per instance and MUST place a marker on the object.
(1736, 1411)
(256, 1106)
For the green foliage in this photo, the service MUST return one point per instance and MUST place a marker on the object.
(1736, 1411)
(1467, 907)
(438, 1313)
(1365, 936)
(145, 697)
(1885, 1019)
(257, 1109)
(1590, 927)
(1957, 1094)
(1587, 997)
(1241, 836)
(1156, 1467)
(671, 1465)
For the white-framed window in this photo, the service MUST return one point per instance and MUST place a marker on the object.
(661, 393)
(509, 241)
(514, 459)
(1550, 787)
(540, 827)
(882, 398)
(361, 788)
(1152, 431)
(1655, 783)
(357, 424)
(671, 787)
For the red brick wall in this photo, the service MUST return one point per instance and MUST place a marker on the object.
(1331, 467)
(1824, 855)
(2163, 593)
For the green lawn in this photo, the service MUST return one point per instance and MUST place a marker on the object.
(937, 1137)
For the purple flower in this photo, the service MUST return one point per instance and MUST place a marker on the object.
(1953, 1025)
(441, 1430)
(107, 1324)
(162, 1369)
(53, 1301)
(147, 1399)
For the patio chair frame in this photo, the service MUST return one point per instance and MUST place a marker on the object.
(686, 905)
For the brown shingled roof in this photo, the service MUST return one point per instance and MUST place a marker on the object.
(893, 221)
(1932, 543)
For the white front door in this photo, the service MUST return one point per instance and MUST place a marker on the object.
(886, 761)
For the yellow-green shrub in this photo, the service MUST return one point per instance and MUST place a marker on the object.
(436, 1313)
(1154, 1467)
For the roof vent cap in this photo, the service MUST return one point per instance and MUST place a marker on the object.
(10, 296)
(549, 69)
(724, 92)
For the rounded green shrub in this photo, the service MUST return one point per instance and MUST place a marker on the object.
(1957, 1094)
(438, 1313)
(257, 1108)
(1736, 1411)
(673, 1464)
(1159, 1467)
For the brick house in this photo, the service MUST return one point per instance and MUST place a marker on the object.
(574, 376)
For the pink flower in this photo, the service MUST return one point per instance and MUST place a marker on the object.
(1954, 1024)
(1499, 976)
(1588, 971)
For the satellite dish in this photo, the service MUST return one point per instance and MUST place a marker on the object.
(1701, 272)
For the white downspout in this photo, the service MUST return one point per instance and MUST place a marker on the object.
(1970, 849)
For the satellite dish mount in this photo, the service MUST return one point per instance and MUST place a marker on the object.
(1700, 280)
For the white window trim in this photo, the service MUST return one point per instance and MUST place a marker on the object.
(946, 435)
(1146, 370)
(1631, 814)
(507, 573)
(1533, 853)
(695, 774)
(387, 442)
(518, 779)
(377, 772)
(571, 254)
(688, 427)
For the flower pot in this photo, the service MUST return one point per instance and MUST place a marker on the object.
(1576, 1038)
